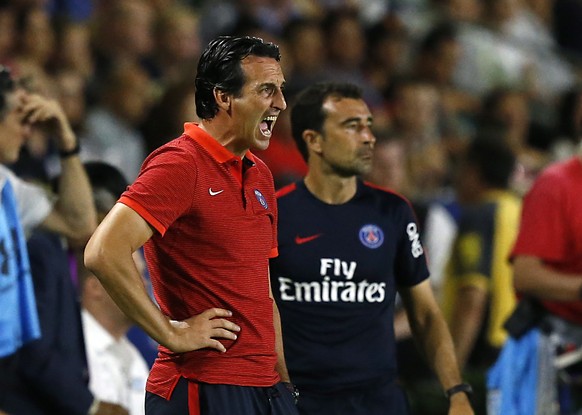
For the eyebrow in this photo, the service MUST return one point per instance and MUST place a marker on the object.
(356, 119)
(272, 85)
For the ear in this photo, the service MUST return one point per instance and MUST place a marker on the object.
(223, 99)
(313, 139)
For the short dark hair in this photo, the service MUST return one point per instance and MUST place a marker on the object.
(104, 175)
(307, 112)
(220, 67)
(494, 160)
(107, 182)
(7, 85)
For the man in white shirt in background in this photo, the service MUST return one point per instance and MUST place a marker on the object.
(117, 370)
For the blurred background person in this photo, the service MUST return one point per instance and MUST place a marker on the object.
(45, 370)
(112, 126)
(166, 117)
(547, 268)
(117, 370)
(478, 294)
(178, 45)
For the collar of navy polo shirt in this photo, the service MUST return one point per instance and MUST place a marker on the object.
(218, 151)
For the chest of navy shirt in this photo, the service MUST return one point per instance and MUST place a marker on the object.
(335, 281)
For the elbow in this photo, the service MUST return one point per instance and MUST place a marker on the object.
(520, 283)
(94, 256)
(524, 272)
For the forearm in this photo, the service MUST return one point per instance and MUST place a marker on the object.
(432, 337)
(75, 199)
(74, 213)
(432, 334)
(124, 284)
(466, 321)
(532, 277)
(109, 255)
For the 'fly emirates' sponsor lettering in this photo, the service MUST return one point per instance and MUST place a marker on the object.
(329, 290)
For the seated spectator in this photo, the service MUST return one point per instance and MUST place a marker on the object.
(30, 376)
(415, 106)
(346, 45)
(51, 373)
(506, 114)
(111, 131)
(178, 45)
(166, 118)
(306, 49)
(117, 370)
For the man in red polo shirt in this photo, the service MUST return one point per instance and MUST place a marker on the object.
(205, 209)
(547, 264)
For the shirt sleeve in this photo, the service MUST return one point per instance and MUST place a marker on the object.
(543, 222)
(34, 203)
(411, 265)
(164, 189)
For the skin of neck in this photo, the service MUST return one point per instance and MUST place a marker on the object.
(220, 128)
(328, 186)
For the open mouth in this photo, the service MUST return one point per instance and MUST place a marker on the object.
(267, 124)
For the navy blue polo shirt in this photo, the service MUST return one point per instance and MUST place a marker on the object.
(335, 282)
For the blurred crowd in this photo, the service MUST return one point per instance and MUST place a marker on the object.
(436, 75)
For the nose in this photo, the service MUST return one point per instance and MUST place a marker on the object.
(279, 100)
(369, 137)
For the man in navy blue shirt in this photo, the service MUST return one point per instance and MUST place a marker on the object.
(345, 249)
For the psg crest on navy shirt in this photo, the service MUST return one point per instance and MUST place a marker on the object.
(371, 236)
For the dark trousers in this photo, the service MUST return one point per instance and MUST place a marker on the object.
(7, 374)
(191, 398)
(384, 399)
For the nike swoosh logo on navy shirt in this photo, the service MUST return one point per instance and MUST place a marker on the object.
(300, 241)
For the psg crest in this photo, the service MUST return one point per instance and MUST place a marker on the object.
(261, 199)
(371, 236)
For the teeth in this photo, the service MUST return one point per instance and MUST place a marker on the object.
(271, 118)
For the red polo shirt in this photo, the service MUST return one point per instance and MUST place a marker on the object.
(216, 215)
(551, 227)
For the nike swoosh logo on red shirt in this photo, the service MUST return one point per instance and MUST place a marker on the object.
(213, 193)
(299, 240)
